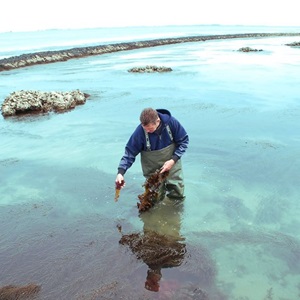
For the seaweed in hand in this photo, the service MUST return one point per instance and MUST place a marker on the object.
(118, 189)
(152, 187)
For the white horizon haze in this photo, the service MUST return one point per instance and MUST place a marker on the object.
(32, 15)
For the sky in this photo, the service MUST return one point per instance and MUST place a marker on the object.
(27, 15)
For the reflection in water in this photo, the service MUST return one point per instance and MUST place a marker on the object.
(160, 245)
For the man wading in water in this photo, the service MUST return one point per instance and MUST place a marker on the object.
(161, 140)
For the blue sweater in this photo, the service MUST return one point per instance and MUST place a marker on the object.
(159, 139)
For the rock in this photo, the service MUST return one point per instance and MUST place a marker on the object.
(248, 49)
(46, 57)
(24, 102)
(294, 44)
(149, 69)
(12, 292)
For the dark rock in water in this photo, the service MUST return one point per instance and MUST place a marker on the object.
(294, 44)
(24, 102)
(248, 49)
(12, 292)
(150, 69)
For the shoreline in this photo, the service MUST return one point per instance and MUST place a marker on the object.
(46, 57)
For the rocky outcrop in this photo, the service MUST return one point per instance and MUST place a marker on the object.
(22, 102)
(150, 69)
(248, 49)
(63, 55)
(294, 44)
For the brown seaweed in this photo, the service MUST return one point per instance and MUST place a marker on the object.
(118, 189)
(156, 250)
(12, 292)
(152, 186)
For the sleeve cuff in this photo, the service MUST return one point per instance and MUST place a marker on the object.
(121, 171)
(175, 158)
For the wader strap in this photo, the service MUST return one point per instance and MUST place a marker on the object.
(148, 146)
(170, 133)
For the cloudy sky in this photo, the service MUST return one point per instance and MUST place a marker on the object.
(20, 15)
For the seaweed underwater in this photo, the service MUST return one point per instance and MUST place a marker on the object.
(288, 246)
(12, 292)
(268, 246)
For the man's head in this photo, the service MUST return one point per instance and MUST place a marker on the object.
(149, 119)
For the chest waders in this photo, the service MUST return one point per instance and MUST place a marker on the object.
(151, 160)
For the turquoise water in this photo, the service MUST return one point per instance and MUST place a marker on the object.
(240, 220)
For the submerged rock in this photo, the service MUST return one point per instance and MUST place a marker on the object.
(248, 49)
(294, 44)
(12, 292)
(150, 69)
(22, 102)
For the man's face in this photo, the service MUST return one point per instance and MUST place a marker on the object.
(150, 128)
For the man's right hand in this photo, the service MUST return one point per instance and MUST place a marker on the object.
(120, 179)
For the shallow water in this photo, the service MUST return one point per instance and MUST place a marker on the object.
(240, 223)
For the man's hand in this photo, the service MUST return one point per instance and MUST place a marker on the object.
(168, 165)
(120, 179)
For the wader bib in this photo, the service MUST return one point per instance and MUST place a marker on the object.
(153, 160)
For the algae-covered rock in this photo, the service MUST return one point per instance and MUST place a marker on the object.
(150, 69)
(248, 49)
(29, 102)
(13, 292)
(294, 44)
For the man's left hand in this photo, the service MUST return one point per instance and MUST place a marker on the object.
(168, 165)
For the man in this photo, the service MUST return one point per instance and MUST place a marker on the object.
(161, 140)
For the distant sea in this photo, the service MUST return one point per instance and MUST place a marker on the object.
(16, 43)
(239, 224)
